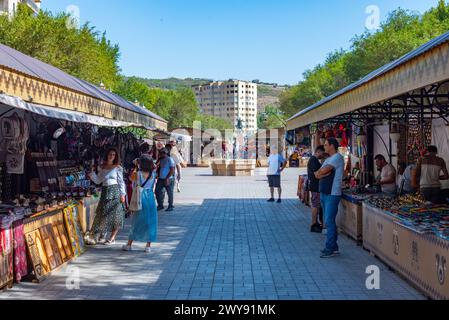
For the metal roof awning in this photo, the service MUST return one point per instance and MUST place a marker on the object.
(38, 82)
(60, 114)
(422, 67)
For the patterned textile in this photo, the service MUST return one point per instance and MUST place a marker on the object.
(110, 213)
(6, 258)
(20, 254)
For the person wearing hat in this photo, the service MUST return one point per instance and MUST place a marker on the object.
(166, 180)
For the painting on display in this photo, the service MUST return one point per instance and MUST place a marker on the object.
(37, 253)
(64, 239)
(74, 230)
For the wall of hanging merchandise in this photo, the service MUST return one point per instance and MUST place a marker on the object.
(419, 137)
(49, 207)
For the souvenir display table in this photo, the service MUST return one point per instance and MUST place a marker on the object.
(349, 218)
(53, 237)
(412, 238)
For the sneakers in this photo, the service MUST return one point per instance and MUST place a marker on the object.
(270, 200)
(147, 249)
(169, 209)
(126, 248)
(279, 201)
(329, 254)
(160, 208)
(316, 228)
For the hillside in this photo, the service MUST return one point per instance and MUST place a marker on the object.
(268, 94)
(172, 83)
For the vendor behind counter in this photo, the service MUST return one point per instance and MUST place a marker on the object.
(428, 172)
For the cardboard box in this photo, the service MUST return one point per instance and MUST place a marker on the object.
(420, 258)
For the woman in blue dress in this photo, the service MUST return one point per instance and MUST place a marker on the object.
(144, 222)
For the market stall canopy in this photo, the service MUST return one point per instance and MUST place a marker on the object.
(9, 102)
(180, 137)
(424, 66)
(40, 83)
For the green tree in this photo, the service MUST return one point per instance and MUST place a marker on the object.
(401, 32)
(211, 122)
(82, 52)
(271, 118)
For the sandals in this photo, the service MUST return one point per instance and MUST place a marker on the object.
(109, 242)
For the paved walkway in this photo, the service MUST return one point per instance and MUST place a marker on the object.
(224, 241)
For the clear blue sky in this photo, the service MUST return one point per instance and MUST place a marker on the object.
(274, 41)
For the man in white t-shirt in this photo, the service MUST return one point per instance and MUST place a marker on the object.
(387, 178)
(276, 164)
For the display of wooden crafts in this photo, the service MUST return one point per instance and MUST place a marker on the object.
(51, 256)
(64, 239)
(37, 254)
(72, 226)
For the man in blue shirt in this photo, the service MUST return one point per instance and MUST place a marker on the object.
(166, 180)
(331, 178)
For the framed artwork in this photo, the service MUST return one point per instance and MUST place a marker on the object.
(45, 236)
(37, 253)
(64, 239)
(71, 229)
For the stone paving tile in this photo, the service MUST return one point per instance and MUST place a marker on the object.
(222, 242)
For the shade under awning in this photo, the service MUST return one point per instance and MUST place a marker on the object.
(61, 114)
(427, 65)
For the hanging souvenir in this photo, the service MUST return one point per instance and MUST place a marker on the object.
(15, 163)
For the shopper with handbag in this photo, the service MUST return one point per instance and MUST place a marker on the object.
(143, 205)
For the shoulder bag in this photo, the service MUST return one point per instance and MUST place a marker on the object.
(136, 199)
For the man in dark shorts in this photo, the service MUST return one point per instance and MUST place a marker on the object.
(313, 166)
(276, 164)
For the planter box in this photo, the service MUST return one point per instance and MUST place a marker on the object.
(420, 258)
(233, 167)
